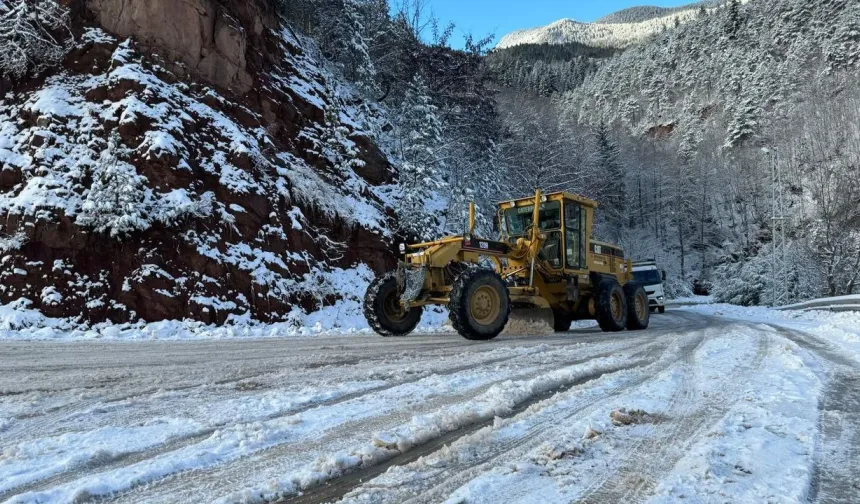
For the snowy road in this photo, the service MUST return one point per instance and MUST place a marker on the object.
(714, 411)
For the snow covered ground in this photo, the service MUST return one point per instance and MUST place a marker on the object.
(712, 404)
(841, 329)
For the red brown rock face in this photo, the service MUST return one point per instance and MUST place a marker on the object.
(197, 33)
(244, 200)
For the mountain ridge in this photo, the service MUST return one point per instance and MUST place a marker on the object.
(617, 30)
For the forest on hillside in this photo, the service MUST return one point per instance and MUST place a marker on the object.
(677, 137)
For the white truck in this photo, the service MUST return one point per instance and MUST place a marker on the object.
(651, 278)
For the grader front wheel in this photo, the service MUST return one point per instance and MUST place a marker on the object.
(383, 310)
(561, 321)
(479, 305)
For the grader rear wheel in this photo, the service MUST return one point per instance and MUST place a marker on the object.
(638, 311)
(383, 310)
(611, 307)
(479, 305)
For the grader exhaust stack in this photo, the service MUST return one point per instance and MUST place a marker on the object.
(545, 260)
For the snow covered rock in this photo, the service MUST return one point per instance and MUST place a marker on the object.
(206, 168)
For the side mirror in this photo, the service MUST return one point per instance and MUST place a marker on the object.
(495, 225)
(663, 275)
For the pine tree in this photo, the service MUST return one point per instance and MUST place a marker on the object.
(118, 202)
(733, 19)
(338, 148)
(744, 124)
(612, 194)
(420, 138)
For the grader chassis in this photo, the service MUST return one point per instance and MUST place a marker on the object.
(545, 259)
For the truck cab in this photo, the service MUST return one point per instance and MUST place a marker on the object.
(649, 276)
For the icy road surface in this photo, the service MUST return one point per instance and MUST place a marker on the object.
(714, 410)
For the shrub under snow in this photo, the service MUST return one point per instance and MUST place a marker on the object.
(34, 34)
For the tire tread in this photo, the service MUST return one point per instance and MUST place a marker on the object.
(458, 308)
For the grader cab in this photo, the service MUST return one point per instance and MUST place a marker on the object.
(545, 259)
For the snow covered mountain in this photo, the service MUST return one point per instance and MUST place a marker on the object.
(617, 30)
(646, 12)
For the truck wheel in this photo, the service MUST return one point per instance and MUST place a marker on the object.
(561, 321)
(611, 307)
(479, 304)
(638, 311)
(662, 310)
(383, 311)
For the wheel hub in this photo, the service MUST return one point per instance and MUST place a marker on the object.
(641, 307)
(392, 308)
(616, 307)
(484, 305)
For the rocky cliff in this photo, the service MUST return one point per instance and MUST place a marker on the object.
(189, 159)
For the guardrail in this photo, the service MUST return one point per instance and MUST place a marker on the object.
(836, 304)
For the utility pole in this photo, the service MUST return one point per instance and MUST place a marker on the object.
(779, 259)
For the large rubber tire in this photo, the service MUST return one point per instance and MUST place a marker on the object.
(561, 321)
(638, 311)
(662, 310)
(480, 304)
(383, 311)
(611, 307)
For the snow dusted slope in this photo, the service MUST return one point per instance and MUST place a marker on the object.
(130, 188)
(600, 34)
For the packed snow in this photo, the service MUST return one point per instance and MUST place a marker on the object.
(723, 403)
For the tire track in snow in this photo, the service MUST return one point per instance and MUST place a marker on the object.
(263, 460)
(195, 363)
(106, 464)
(435, 487)
(110, 463)
(27, 425)
(685, 417)
(543, 430)
(334, 490)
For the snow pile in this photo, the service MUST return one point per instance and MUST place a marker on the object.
(19, 321)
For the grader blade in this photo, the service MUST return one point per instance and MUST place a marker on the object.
(531, 322)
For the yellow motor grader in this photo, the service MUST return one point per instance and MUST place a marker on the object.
(545, 259)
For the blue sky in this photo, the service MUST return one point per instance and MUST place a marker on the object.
(481, 17)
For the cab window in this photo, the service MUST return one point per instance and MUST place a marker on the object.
(518, 220)
(574, 224)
